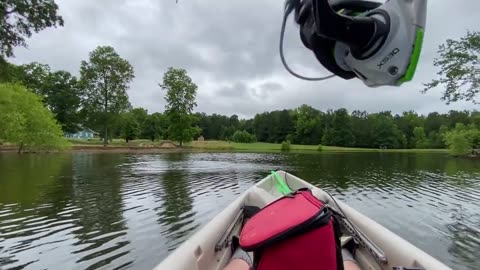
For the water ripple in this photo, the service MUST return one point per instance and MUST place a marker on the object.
(95, 211)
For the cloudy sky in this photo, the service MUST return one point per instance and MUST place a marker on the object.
(230, 50)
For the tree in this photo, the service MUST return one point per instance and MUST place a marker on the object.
(180, 96)
(104, 79)
(407, 123)
(435, 140)
(63, 98)
(384, 132)
(456, 117)
(462, 139)
(130, 128)
(141, 116)
(457, 141)
(361, 129)
(459, 65)
(434, 121)
(34, 76)
(26, 122)
(59, 90)
(243, 137)
(308, 125)
(342, 134)
(155, 126)
(420, 139)
(21, 17)
(8, 72)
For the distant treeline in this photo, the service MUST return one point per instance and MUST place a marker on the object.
(63, 95)
(307, 125)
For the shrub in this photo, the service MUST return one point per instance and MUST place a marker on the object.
(286, 146)
(320, 148)
(243, 137)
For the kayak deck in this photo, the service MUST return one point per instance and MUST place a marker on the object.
(210, 247)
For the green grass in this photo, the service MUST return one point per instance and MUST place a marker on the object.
(114, 143)
(248, 147)
(272, 147)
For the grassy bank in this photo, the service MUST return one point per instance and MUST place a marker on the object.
(272, 147)
(147, 146)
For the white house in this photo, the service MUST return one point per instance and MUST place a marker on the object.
(83, 133)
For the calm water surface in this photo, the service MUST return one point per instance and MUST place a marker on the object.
(110, 211)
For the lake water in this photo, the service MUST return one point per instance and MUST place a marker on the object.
(113, 211)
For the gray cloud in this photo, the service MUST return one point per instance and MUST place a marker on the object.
(230, 50)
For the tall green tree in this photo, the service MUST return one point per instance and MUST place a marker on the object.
(155, 127)
(59, 90)
(130, 128)
(342, 134)
(105, 78)
(434, 121)
(62, 95)
(8, 71)
(407, 123)
(459, 63)
(20, 18)
(361, 128)
(308, 125)
(420, 138)
(180, 96)
(384, 132)
(26, 122)
(141, 116)
(456, 117)
(34, 76)
(458, 141)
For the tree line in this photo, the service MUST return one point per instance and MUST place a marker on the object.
(307, 125)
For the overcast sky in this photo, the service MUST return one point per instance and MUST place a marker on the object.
(229, 48)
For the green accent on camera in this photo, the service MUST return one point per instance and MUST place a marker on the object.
(417, 49)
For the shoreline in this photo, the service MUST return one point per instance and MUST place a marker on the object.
(122, 149)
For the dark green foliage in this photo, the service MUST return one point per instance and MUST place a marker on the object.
(462, 139)
(273, 126)
(338, 128)
(104, 78)
(420, 138)
(241, 136)
(285, 146)
(130, 128)
(459, 65)
(8, 72)
(63, 97)
(384, 133)
(180, 96)
(308, 125)
(155, 127)
(22, 17)
(340, 133)
(320, 148)
(361, 128)
(60, 92)
(406, 123)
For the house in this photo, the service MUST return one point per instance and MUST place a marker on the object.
(83, 133)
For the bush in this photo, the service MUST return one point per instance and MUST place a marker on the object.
(320, 148)
(286, 146)
(462, 140)
(458, 143)
(243, 137)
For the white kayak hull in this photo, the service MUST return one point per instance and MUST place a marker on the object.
(204, 250)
